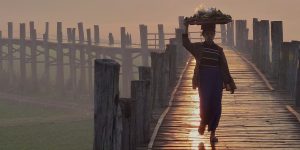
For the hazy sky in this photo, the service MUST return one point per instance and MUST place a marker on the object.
(112, 14)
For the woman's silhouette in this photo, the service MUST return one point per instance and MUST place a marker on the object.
(211, 75)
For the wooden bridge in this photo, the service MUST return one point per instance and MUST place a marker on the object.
(261, 114)
(254, 117)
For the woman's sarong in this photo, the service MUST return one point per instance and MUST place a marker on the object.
(210, 93)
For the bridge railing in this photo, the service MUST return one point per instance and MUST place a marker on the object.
(277, 59)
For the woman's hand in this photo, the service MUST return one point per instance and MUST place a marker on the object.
(230, 89)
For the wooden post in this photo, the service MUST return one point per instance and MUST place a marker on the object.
(59, 61)
(107, 124)
(90, 64)
(292, 67)
(69, 33)
(161, 36)
(244, 34)
(82, 80)
(128, 123)
(237, 33)
(22, 57)
(297, 82)
(223, 33)
(144, 44)
(1, 54)
(123, 38)
(127, 65)
(171, 49)
(181, 24)
(145, 75)
(265, 40)
(47, 56)
(156, 74)
(140, 93)
(34, 77)
(181, 53)
(72, 61)
(10, 55)
(111, 39)
(277, 39)
(165, 78)
(256, 41)
(230, 33)
(283, 64)
(96, 34)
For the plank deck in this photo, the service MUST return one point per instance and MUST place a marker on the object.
(253, 118)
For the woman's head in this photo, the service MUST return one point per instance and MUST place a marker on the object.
(208, 31)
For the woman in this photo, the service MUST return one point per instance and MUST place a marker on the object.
(211, 75)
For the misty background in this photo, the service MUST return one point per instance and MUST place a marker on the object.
(112, 14)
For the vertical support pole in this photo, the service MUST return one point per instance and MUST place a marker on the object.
(106, 102)
(161, 36)
(140, 93)
(127, 64)
(144, 44)
(181, 20)
(292, 67)
(69, 34)
(265, 39)
(145, 75)
(22, 57)
(96, 34)
(223, 33)
(72, 58)
(123, 38)
(277, 39)
(256, 41)
(34, 78)
(82, 80)
(1, 54)
(47, 56)
(181, 54)
(90, 63)
(128, 123)
(297, 89)
(230, 33)
(111, 39)
(59, 61)
(10, 55)
(244, 34)
(283, 64)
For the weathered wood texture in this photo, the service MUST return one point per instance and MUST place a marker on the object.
(277, 39)
(252, 118)
(107, 111)
(140, 93)
(128, 123)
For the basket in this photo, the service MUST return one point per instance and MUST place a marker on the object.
(198, 21)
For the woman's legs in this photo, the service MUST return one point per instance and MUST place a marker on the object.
(210, 94)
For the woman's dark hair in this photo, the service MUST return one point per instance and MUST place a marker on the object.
(208, 28)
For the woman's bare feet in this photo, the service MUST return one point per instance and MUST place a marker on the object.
(201, 129)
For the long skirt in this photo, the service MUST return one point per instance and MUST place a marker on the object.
(210, 93)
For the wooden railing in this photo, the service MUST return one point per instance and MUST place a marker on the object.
(127, 120)
(275, 58)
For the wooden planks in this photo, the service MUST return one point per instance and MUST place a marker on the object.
(253, 118)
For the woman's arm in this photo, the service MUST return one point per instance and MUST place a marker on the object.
(228, 80)
(186, 41)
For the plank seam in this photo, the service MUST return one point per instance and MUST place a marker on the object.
(163, 115)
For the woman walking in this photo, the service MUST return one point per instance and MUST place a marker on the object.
(211, 76)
